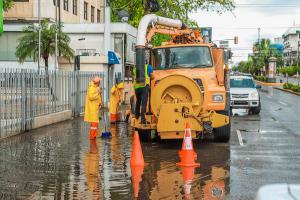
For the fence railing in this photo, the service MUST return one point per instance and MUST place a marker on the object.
(25, 94)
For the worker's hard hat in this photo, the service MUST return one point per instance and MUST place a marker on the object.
(96, 79)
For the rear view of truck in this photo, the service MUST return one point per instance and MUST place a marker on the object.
(189, 83)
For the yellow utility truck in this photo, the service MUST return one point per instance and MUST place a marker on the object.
(189, 82)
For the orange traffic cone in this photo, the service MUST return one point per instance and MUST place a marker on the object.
(187, 154)
(136, 175)
(188, 175)
(137, 158)
(136, 163)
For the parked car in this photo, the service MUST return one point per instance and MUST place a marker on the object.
(244, 94)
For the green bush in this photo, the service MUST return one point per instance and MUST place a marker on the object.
(290, 86)
(261, 78)
(287, 86)
(291, 70)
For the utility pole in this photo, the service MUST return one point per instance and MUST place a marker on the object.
(298, 52)
(39, 45)
(258, 41)
(59, 23)
(56, 54)
(258, 37)
(290, 55)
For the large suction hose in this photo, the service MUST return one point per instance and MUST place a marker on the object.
(147, 20)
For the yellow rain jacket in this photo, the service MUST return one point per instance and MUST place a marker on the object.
(93, 101)
(116, 93)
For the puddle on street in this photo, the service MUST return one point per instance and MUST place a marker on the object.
(59, 162)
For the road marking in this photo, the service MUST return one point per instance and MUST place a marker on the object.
(238, 132)
(271, 131)
(285, 104)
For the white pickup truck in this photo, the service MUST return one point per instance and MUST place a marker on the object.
(244, 94)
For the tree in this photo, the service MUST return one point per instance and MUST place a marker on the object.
(28, 43)
(263, 53)
(178, 9)
(7, 4)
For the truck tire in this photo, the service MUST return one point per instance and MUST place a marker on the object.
(256, 110)
(222, 134)
(145, 135)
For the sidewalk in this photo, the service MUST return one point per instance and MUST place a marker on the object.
(290, 80)
(285, 80)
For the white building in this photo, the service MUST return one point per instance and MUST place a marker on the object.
(291, 43)
(86, 39)
(278, 40)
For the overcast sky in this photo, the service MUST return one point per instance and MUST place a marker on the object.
(272, 16)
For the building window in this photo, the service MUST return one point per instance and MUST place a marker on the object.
(85, 14)
(92, 13)
(54, 2)
(98, 16)
(66, 2)
(75, 7)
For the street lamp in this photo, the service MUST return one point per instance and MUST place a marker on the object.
(123, 15)
(81, 39)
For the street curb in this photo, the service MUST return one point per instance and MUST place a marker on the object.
(268, 84)
(289, 91)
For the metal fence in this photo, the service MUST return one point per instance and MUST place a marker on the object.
(25, 94)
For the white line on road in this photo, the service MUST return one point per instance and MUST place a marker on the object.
(285, 104)
(271, 131)
(238, 132)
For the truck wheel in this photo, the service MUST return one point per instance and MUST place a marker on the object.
(145, 135)
(256, 110)
(222, 134)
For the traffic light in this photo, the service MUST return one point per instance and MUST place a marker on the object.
(236, 39)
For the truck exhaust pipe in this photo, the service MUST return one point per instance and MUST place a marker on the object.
(146, 21)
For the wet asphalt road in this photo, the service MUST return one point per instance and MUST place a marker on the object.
(59, 162)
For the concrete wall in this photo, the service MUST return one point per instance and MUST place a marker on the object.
(87, 63)
(20, 9)
(53, 118)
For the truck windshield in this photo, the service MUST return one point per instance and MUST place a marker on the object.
(182, 57)
(241, 83)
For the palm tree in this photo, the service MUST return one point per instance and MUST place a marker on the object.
(28, 43)
(7, 4)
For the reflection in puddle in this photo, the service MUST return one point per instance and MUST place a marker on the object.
(60, 162)
(240, 112)
(91, 169)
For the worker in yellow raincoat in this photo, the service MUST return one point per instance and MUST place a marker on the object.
(116, 93)
(93, 102)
